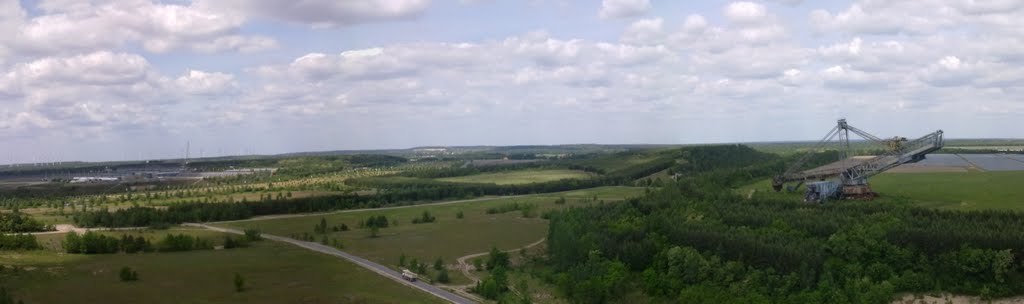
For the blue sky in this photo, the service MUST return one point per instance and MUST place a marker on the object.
(104, 79)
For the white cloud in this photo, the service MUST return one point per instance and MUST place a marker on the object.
(847, 78)
(612, 9)
(982, 7)
(329, 13)
(365, 64)
(695, 23)
(789, 2)
(952, 71)
(204, 83)
(876, 55)
(429, 74)
(627, 55)
(99, 93)
(644, 30)
(920, 17)
(100, 68)
(746, 12)
(793, 78)
(545, 50)
(84, 26)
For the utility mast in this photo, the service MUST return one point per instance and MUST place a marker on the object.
(184, 164)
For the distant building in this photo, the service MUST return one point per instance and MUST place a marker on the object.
(87, 179)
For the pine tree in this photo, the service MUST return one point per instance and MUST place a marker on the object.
(239, 283)
(442, 277)
(438, 264)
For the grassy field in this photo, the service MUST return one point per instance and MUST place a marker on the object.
(273, 272)
(448, 237)
(519, 177)
(956, 190)
(945, 190)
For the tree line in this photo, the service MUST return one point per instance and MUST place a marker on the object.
(17, 222)
(18, 242)
(139, 216)
(95, 243)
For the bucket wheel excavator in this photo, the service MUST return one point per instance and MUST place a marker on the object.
(848, 178)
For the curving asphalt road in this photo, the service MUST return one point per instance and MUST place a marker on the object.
(378, 268)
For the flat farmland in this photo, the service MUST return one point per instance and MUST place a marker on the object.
(448, 237)
(273, 273)
(970, 190)
(519, 177)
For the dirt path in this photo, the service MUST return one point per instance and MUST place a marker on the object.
(463, 290)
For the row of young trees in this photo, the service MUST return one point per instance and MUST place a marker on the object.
(415, 189)
(459, 170)
(138, 216)
(695, 241)
(95, 243)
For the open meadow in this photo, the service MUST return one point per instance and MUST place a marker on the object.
(273, 273)
(519, 177)
(448, 237)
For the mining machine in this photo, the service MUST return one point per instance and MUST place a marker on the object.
(848, 178)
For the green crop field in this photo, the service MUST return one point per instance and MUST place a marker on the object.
(519, 177)
(945, 190)
(448, 237)
(273, 273)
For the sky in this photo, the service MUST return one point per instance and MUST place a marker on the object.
(141, 79)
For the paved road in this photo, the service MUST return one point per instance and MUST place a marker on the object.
(378, 268)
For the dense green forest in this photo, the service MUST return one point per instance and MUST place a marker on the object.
(695, 241)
